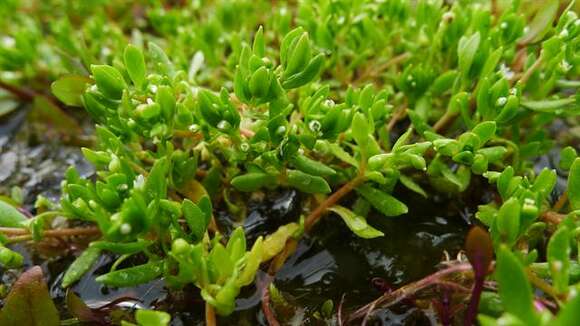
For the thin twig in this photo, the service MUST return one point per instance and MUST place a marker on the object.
(339, 311)
(400, 294)
(542, 285)
(66, 232)
(28, 95)
(561, 202)
(552, 217)
(374, 71)
(330, 201)
(19, 238)
(444, 121)
(210, 319)
(268, 313)
(22, 93)
(524, 78)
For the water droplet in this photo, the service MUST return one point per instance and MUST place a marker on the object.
(329, 102)
(314, 125)
(223, 125)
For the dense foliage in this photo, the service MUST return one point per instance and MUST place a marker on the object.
(202, 104)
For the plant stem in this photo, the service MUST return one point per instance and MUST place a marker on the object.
(542, 285)
(398, 295)
(210, 319)
(561, 202)
(22, 93)
(268, 313)
(67, 232)
(330, 201)
(444, 121)
(313, 217)
(524, 78)
(471, 312)
(374, 71)
(28, 95)
(552, 217)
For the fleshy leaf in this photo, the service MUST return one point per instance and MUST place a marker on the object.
(69, 89)
(10, 216)
(383, 202)
(29, 302)
(152, 318)
(357, 223)
(80, 266)
(559, 258)
(514, 289)
(574, 185)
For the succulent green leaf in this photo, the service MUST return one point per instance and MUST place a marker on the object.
(412, 185)
(275, 242)
(508, 220)
(132, 276)
(253, 181)
(312, 167)
(135, 64)
(514, 289)
(109, 81)
(356, 223)
(542, 22)
(567, 157)
(152, 317)
(559, 258)
(545, 181)
(360, 130)
(259, 46)
(195, 218)
(254, 258)
(80, 266)
(307, 75)
(574, 185)
(382, 201)
(466, 51)
(485, 131)
(299, 55)
(69, 89)
(11, 217)
(307, 183)
(549, 105)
